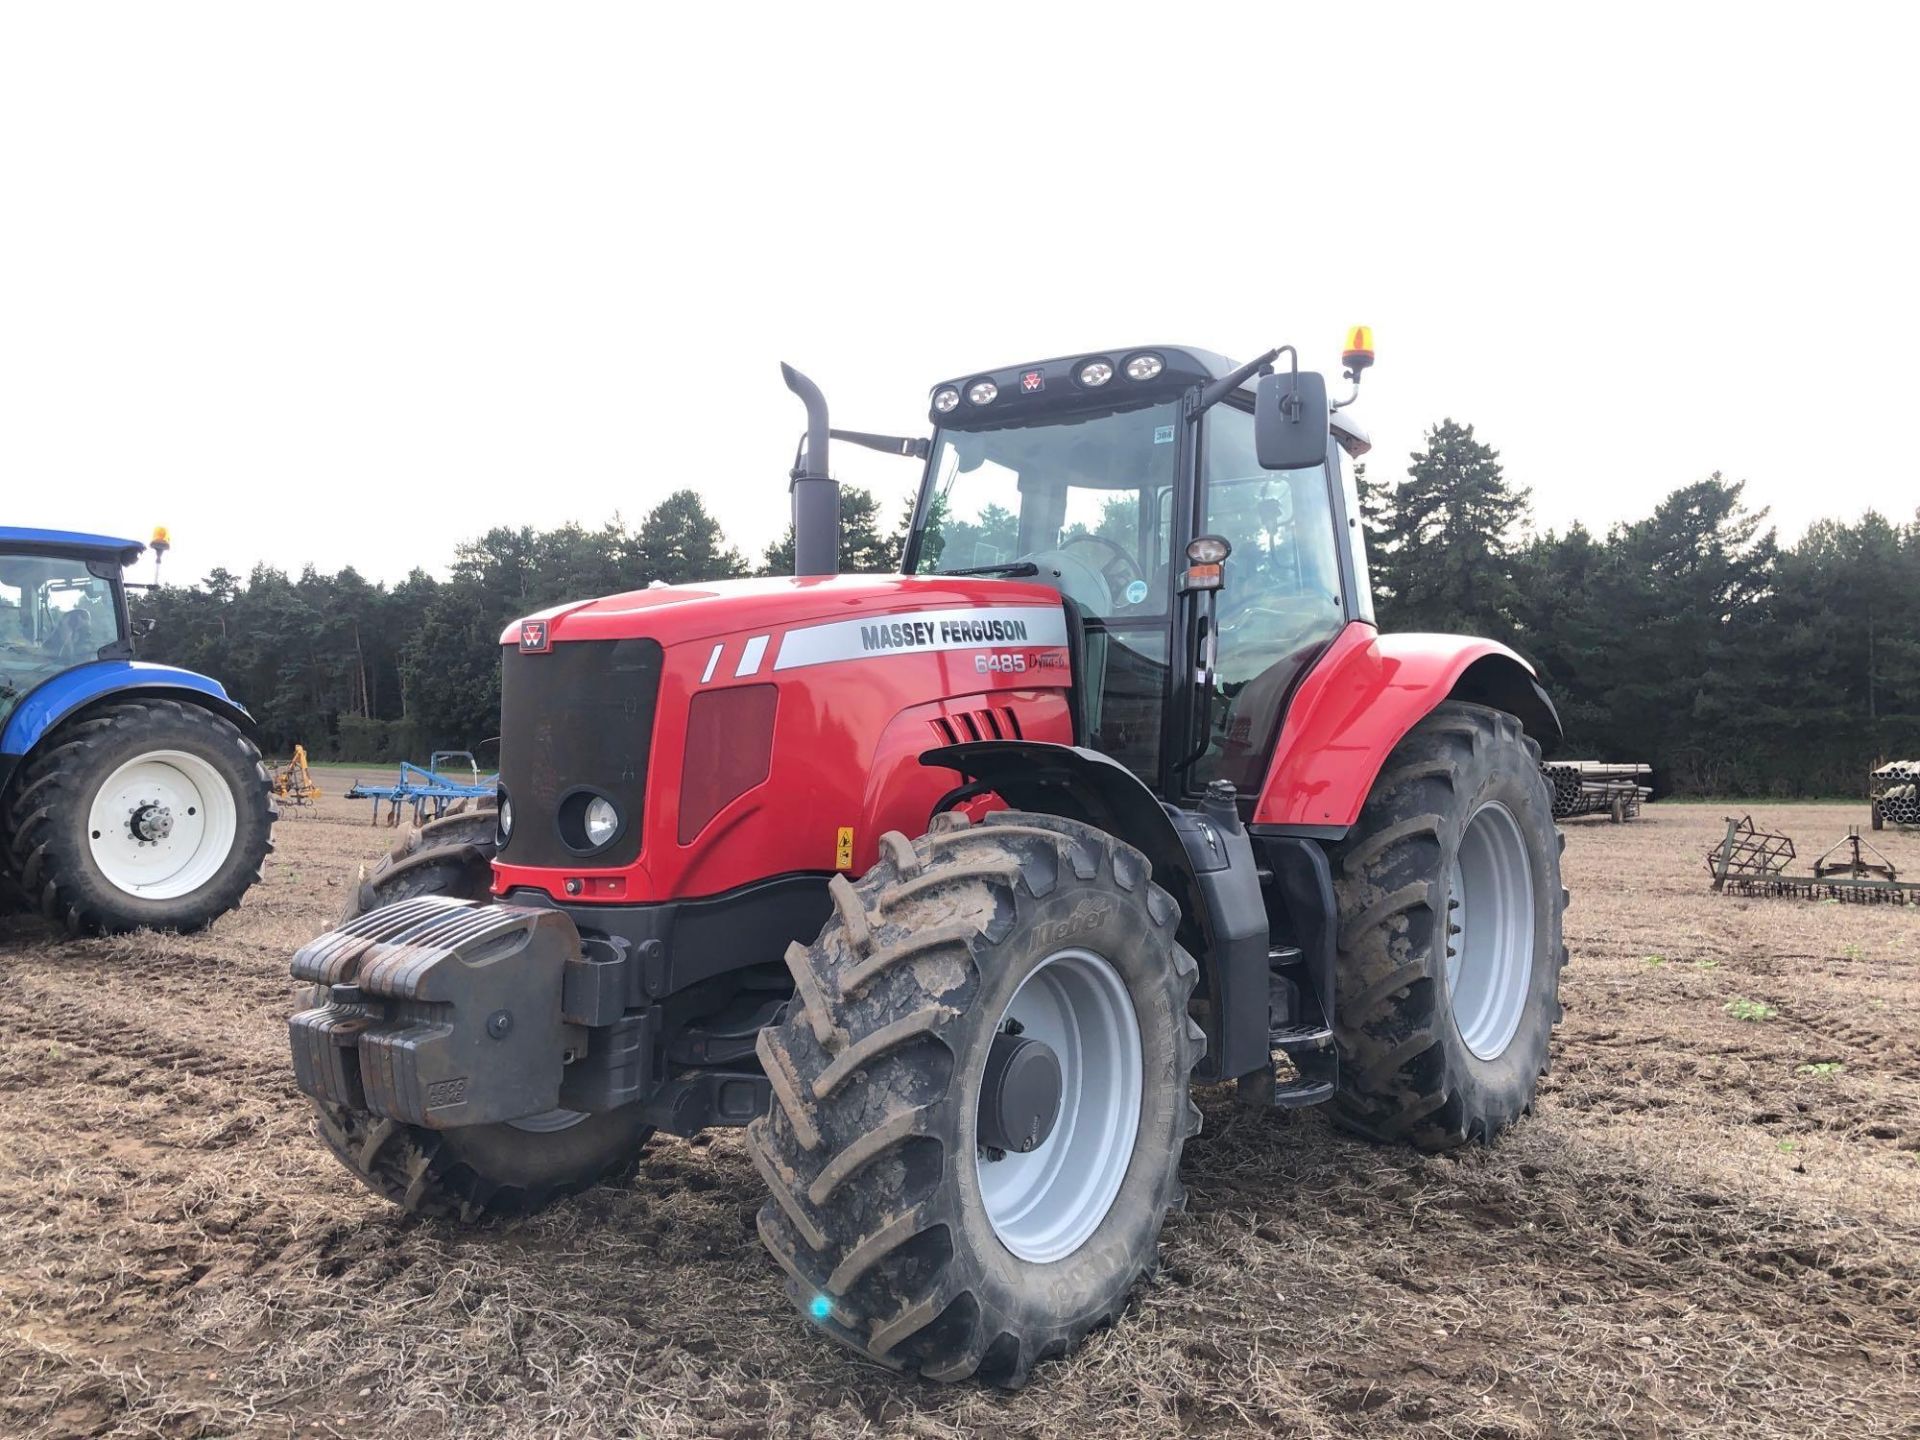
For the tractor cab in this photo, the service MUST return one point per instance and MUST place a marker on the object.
(1099, 475)
(62, 603)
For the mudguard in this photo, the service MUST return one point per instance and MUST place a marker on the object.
(1204, 861)
(1080, 784)
(47, 704)
(1367, 691)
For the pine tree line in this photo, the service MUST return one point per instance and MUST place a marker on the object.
(354, 670)
(1692, 638)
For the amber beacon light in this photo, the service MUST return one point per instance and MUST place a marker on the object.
(1358, 354)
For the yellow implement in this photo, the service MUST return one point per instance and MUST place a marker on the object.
(293, 782)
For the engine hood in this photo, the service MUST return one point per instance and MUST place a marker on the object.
(673, 614)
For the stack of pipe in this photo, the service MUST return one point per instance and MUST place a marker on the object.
(1896, 792)
(1598, 787)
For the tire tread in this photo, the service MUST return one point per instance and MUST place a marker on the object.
(852, 1126)
(1391, 998)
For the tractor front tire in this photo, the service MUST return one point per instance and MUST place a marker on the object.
(470, 1172)
(451, 856)
(1450, 904)
(905, 1235)
(149, 814)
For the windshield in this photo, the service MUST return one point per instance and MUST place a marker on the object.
(1088, 503)
(54, 614)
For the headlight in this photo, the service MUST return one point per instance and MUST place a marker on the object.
(981, 392)
(945, 398)
(602, 820)
(506, 818)
(1096, 373)
(1145, 367)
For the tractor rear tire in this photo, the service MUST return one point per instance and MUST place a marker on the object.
(1443, 1032)
(152, 814)
(515, 1168)
(901, 1235)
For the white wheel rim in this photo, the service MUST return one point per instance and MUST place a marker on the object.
(162, 825)
(1044, 1205)
(1490, 939)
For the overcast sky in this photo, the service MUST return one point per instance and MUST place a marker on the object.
(343, 284)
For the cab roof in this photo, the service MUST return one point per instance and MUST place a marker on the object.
(1051, 389)
(68, 542)
(1048, 391)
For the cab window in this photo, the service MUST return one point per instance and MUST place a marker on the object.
(54, 614)
(1282, 599)
(1089, 504)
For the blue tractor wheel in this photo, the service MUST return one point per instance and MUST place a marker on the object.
(141, 813)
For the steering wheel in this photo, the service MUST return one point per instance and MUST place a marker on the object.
(1129, 569)
(1079, 580)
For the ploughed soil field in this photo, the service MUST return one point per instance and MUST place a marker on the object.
(1710, 1226)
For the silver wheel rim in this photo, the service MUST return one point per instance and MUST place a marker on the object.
(162, 825)
(548, 1121)
(1045, 1204)
(1490, 940)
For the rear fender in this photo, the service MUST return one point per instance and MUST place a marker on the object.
(1367, 691)
(71, 691)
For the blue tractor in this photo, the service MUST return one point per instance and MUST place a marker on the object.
(130, 794)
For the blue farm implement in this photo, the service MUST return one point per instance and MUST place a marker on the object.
(429, 789)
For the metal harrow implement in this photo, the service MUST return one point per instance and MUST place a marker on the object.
(1748, 861)
(427, 789)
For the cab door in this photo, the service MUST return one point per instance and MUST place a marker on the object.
(1288, 591)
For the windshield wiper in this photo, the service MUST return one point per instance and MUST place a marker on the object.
(1010, 567)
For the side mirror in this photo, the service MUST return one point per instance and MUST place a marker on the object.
(1290, 420)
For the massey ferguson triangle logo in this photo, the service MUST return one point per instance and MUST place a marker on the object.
(533, 637)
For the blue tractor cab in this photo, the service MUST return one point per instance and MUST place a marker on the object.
(131, 794)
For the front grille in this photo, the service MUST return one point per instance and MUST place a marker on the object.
(577, 716)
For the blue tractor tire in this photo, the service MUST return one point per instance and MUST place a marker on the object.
(139, 814)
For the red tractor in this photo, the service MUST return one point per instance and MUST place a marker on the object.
(949, 885)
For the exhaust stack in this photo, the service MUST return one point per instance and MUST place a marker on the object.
(816, 494)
